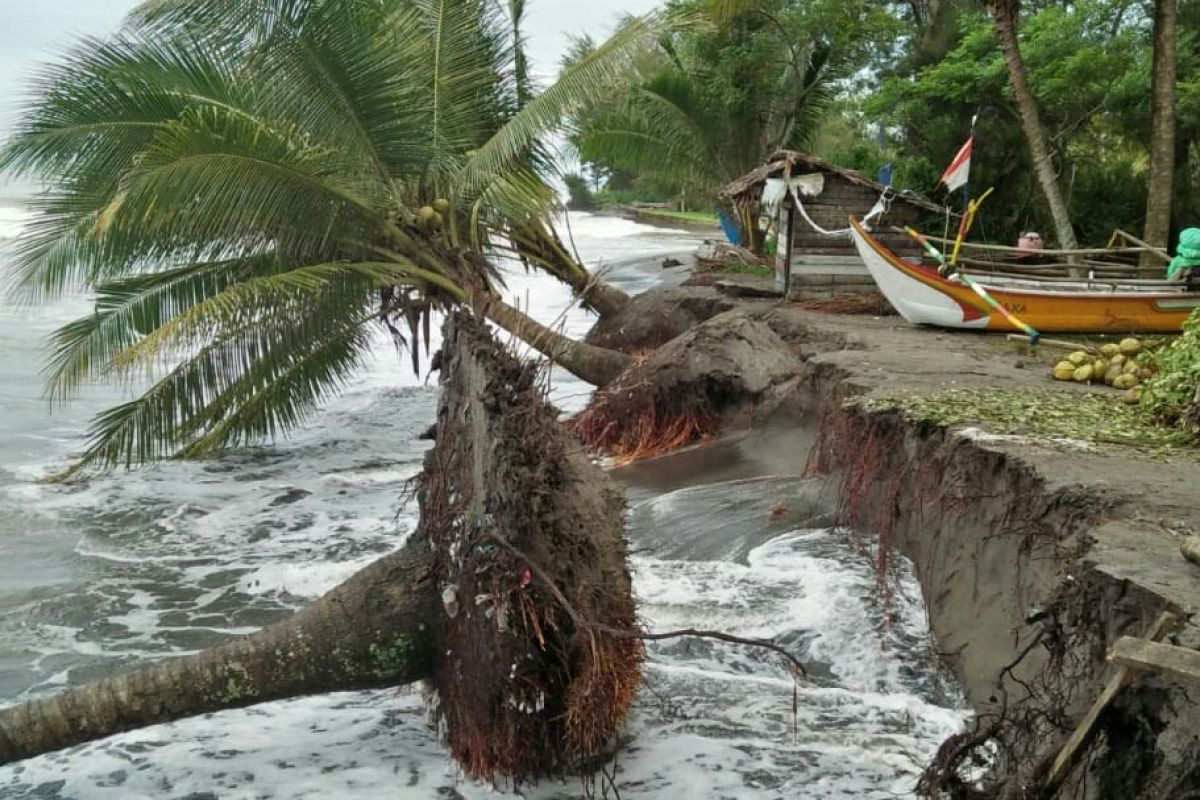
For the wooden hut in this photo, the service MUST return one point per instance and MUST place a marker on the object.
(816, 258)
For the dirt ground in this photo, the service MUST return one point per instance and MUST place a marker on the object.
(1157, 496)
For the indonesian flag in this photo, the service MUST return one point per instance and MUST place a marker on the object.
(958, 173)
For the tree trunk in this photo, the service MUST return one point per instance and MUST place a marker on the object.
(516, 523)
(541, 246)
(589, 363)
(601, 297)
(1160, 183)
(524, 687)
(375, 630)
(1004, 12)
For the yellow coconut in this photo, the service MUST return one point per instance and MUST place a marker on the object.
(1133, 396)
(1125, 381)
(1083, 374)
(1099, 367)
(1112, 374)
(1110, 350)
(1064, 371)
(427, 215)
(1079, 358)
(1131, 347)
(1118, 360)
(1145, 373)
(1131, 367)
(441, 205)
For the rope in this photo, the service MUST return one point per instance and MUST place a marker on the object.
(881, 207)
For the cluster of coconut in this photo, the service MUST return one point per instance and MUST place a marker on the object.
(1116, 365)
(434, 216)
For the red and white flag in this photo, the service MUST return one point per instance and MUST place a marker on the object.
(958, 173)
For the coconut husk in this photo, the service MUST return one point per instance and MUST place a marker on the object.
(857, 304)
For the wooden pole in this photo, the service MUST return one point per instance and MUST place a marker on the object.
(1077, 743)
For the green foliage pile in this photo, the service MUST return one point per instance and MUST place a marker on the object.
(1172, 396)
(1040, 413)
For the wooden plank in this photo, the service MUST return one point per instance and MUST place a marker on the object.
(1139, 654)
(1076, 745)
(1158, 251)
(1056, 344)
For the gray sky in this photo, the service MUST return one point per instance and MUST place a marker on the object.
(31, 31)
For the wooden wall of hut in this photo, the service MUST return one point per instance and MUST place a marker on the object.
(832, 210)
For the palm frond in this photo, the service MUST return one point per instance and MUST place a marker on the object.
(209, 399)
(128, 308)
(588, 81)
(283, 294)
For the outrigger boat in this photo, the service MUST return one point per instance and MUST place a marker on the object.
(1111, 296)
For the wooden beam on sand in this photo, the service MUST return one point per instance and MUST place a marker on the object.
(1057, 344)
(1077, 744)
(1139, 654)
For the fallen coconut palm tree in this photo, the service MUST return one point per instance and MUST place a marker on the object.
(504, 492)
(689, 389)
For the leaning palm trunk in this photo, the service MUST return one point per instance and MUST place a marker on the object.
(1004, 12)
(539, 245)
(596, 365)
(1162, 130)
(516, 525)
(367, 633)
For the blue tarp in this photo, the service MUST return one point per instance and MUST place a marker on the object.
(730, 227)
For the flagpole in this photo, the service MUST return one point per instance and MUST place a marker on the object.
(965, 224)
(967, 186)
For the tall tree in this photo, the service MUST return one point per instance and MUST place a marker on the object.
(246, 200)
(1005, 13)
(1162, 127)
(539, 684)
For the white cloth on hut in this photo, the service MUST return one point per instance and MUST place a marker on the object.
(777, 190)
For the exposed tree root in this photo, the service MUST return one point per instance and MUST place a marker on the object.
(685, 391)
(633, 427)
(859, 304)
(522, 689)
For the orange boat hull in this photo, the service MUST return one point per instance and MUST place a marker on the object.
(924, 297)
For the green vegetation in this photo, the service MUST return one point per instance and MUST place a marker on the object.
(704, 106)
(1042, 413)
(1172, 396)
(753, 270)
(701, 217)
(247, 203)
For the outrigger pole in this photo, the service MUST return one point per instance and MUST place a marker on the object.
(1016, 322)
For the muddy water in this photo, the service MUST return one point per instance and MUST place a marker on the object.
(128, 568)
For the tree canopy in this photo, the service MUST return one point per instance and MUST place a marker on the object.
(248, 187)
(913, 74)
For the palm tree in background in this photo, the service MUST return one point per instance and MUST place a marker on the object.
(675, 127)
(250, 187)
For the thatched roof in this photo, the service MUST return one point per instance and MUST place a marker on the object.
(791, 163)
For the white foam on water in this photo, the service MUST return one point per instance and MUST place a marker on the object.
(138, 566)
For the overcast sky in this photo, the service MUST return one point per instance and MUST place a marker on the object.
(33, 30)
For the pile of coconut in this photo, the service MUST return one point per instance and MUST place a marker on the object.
(1121, 366)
